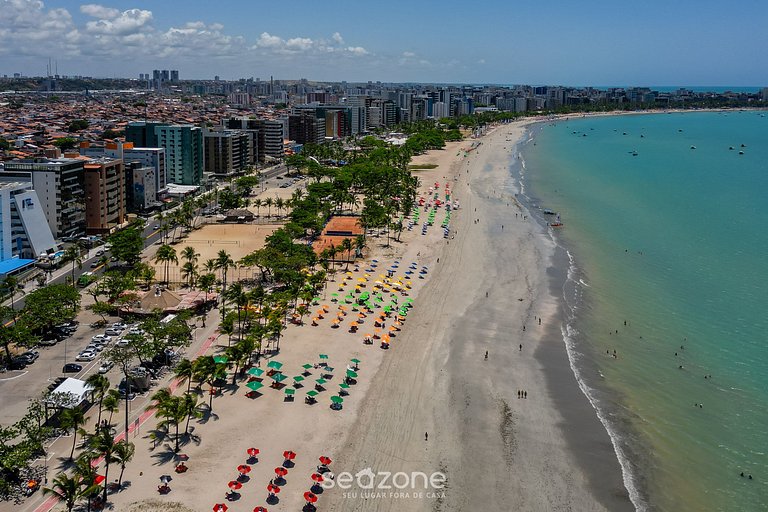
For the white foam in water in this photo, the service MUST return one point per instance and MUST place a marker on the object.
(569, 333)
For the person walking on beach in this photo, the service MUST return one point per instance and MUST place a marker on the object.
(486, 354)
(426, 436)
(521, 347)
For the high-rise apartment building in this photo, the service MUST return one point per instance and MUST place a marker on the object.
(227, 152)
(174, 75)
(59, 184)
(183, 146)
(305, 128)
(269, 133)
(104, 195)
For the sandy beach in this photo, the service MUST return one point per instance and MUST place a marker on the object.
(486, 288)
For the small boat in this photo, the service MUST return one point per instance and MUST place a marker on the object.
(741, 152)
(557, 223)
(634, 153)
(547, 211)
(693, 147)
(730, 148)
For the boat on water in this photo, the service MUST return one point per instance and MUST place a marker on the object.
(547, 211)
(557, 224)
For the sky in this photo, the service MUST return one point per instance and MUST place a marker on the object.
(555, 42)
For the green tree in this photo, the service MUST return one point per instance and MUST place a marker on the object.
(127, 245)
(166, 254)
(67, 489)
(99, 386)
(123, 454)
(224, 262)
(184, 371)
(65, 143)
(72, 418)
(78, 125)
(103, 442)
(74, 253)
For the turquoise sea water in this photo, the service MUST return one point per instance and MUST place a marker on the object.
(672, 241)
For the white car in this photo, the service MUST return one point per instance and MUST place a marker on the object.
(102, 338)
(106, 366)
(136, 331)
(93, 347)
(122, 343)
(113, 332)
(86, 356)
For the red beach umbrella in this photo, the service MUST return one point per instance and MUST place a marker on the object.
(281, 471)
(273, 489)
(253, 452)
(243, 469)
(289, 455)
(234, 485)
(317, 477)
(325, 460)
(220, 507)
(310, 497)
(259, 509)
(98, 479)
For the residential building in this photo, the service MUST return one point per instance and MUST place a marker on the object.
(269, 133)
(140, 191)
(24, 231)
(183, 146)
(127, 152)
(227, 152)
(59, 184)
(104, 195)
(306, 128)
(142, 133)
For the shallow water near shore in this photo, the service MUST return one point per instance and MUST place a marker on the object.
(669, 239)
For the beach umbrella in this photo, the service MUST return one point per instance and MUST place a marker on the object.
(321, 381)
(337, 399)
(290, 391)
(259, 509)
(307, 366)
(312, 393)
(255, 385)
(182, 456)
(252, 452)
(273, 489)
(356, 361)
(275, 364)
(220, 359)
(220, 507)
(289, 455)
(298, 378)
(328, 369)
(323, 356)
(281, 471)
(166, 478)
(243, 469)
(257, 372)
(317, 477)
(310, 497)
(351, 374)
(279, 377)
(234, 485)
(100, 478)
(344, 385)
(325, 460)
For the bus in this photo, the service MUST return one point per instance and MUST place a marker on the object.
(85, 279)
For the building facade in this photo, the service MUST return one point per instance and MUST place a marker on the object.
(24, 231)
(227, 152)
(104, 195)
(183, 146)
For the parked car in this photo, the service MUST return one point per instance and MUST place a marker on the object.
(93, 347)
(102, 337)
(71, 368)
(122, 343)
(31, 354)
(86, 356)
(95, 264)
(119, 325)
(49, 342)
(156, 227)
(106, 366)
(113, 332)
(136, 331)
(18, 363)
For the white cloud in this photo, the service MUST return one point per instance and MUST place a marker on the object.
(408, 55)
(299, 43)
(99, 11)
(126, 22)
(266, 40)
(337, 38)
(357, 50)
(481, 61)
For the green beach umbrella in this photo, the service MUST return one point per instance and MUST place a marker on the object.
(312, 393)
(351, 374)
(220, 359)
(328, 369)
(279, 377)
(256, 371)
(337, 399)
(289, 391)
(255, 385)
(307, 366)
(323, 356)
(298, 378)
(344, 386)
(321, 381)
(275, 364)
(355, 360)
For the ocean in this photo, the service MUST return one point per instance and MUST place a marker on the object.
(663, 227)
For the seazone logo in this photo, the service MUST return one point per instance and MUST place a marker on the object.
(385, 480)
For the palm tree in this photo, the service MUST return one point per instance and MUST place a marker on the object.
(224, 262)
(192, 408)
(184, 372)
(268, 202)
(189, 254)
(279, 204)
(359, 245)
(99, 386)
(67, 489)
(171, 409)
(166, 254)
(346, 245)
(205, 282)
(72, 418)
(86, 471)
(258, 204)
(122, 454)
(189, 273)
(11, 286)
(103, 442)
(73, 253)
(209, 371)
(110, 403)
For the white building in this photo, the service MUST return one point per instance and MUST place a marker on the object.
(24, 230)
